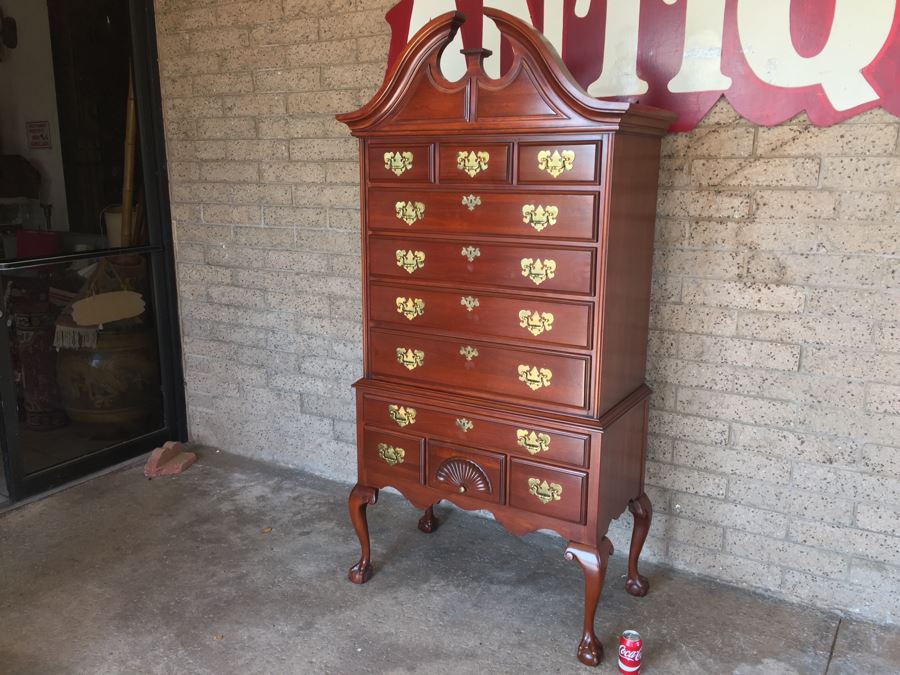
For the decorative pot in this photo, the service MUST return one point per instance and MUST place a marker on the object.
(115, 384)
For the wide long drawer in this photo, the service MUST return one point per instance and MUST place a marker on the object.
(532, 320)
(533, 268)
(516, 437)
(554, 215)
(534, 377)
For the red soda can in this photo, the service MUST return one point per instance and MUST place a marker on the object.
(630, 652)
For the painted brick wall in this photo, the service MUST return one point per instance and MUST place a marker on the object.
(775, 351)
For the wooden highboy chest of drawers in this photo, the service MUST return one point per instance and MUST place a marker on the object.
(507, 233)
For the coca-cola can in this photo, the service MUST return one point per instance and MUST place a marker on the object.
(630, 652)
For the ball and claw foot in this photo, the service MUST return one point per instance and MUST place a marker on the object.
(360, 573)
(590, 651)
(428, 523)
(638, 587)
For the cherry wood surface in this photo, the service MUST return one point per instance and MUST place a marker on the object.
(539, 441)
(490, 265)
(488, 205)
(495, 371)
(494, 316)
(494, 213)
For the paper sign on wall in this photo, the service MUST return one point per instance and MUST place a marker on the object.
(38, 135)
(772, 59)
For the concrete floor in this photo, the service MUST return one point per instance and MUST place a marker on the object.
(182, 575)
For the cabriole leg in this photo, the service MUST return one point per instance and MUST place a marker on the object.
(642, 511)
(593, 563)
(360, 497)
(428, 522)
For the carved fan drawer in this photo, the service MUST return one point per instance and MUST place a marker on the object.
(531, 376)
(549, 491)
(407, 162)
(521, 437)
(531, 320)
(532, 268)
(467, 472)
(551, 215)
(393, 456)
(474, 163)
(553, 163)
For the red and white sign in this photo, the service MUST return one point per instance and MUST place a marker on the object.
(772, 59)
(38, 135)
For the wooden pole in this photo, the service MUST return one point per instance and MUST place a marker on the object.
(128, 169)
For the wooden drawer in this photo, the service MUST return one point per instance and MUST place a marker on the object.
(392, 456)
(531, 376)
(464, 264)
(551, 215)
(549, 491)
(531, 320)
(516, 437)
(406, 162)
(474, 163)
(553, 163)
(466, 472)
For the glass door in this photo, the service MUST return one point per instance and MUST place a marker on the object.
(90, 361)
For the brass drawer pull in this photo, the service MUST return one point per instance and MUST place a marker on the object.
(390, 454)
(402, 416)
(468, 352)
(410, 358)
(472, 162)
(398, 162)
(410, 212)
(470, 253)
(544, 491)
(469, 302)
(536, 322)
(535, 377)
(410, 307)
(556, 163)
(464, 424)
(534, 442)
(410, 260)
(537, 270)
(539, 217)
(471, 202)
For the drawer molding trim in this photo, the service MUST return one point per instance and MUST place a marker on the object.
(544, 491)
(391, 455)
(398, 162)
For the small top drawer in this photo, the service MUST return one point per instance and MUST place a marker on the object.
(474, 163)
(555, 163)
(408, 162)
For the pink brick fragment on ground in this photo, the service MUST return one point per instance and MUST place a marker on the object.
(169, 460)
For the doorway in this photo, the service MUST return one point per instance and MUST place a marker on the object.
(90, 361)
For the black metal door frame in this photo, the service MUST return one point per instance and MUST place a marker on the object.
(160, 252)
